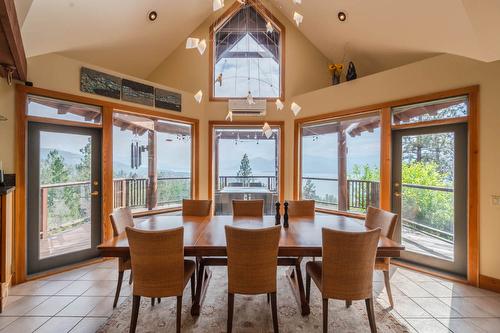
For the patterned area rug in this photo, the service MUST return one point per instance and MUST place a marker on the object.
(251, 313)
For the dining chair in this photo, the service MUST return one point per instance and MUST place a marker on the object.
(386, 221)
(196, 207)
(301, 208)
(252, 266)
(159, 268)
(121, 218)
(254, 208)
(346, 271)
(298, 208)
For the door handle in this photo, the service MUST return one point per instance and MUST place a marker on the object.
(94, 194)
(397, 194)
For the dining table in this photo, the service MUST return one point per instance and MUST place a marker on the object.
(204, 236)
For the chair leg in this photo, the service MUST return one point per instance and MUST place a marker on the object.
(118, 288)
(152, 301)
(130, 278)
(136, 302)
(300, 283)
(268, 298)
(193, 283)
(274, 310)
(371, 315)
(387, 280)
(348, 304)
(159, 300)
(325, 315)
(308, 288)
(179, 312)
(230, 310)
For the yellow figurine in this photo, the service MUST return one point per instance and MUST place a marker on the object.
(336, 71)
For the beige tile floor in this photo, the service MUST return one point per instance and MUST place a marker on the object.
(81, 300)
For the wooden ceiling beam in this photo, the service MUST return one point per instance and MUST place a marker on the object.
(12, 33)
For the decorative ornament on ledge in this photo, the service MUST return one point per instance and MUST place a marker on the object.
(336, 71)
(229, 116)
(250, 100)
(351, 72)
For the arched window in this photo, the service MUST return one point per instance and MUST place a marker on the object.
(247, 53)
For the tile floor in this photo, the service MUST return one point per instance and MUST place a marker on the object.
(81, 300)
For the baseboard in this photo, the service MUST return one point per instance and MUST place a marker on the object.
(429, 271)
(489, 283)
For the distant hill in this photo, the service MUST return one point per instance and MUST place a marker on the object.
(69, 157)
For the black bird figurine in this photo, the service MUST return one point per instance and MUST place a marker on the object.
(285, 217)
(278, 215)
(351, 72)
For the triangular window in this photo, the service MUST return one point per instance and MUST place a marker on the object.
(247, 54)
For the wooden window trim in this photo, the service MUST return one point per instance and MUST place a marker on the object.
(216, 123)
(226, 16)
(108, 107)
(472, 92)
(297, 170)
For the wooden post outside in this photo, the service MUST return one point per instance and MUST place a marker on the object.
(152, 170)
(342, 169)
(123, 187)
(44, 213)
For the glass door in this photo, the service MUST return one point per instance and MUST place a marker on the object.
(64, 200)
(430, 195)
(246, 166)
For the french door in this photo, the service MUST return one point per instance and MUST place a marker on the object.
(430, 195)
(64, 200)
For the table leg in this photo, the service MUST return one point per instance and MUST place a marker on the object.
(294, 275)
(203, 278)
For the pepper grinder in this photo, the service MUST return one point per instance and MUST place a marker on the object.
(1, 174)
(285, 217)
(277, 216)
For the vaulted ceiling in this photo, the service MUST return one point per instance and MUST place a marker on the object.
(377, 35)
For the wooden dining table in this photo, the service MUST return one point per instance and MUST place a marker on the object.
(205, 237)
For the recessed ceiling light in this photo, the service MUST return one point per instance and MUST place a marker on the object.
(152, 15)
(342, 16)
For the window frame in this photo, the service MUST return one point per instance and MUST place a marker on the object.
(226, 16)
(193, 152)
(212, 125)
(301, 123)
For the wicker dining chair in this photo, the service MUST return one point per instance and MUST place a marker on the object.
(159, 268)
(120, 219)
(346, 271)
(196, 207)
(254, 208)
(301, 208)
(386, 221)
(298, 208)
(252, 266)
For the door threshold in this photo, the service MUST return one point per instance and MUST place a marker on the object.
(430, 271)
(59, 270)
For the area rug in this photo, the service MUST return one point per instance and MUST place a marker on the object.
(251, 313)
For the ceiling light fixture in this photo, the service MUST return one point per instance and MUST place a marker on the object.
(342, 16)
(152, 15)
